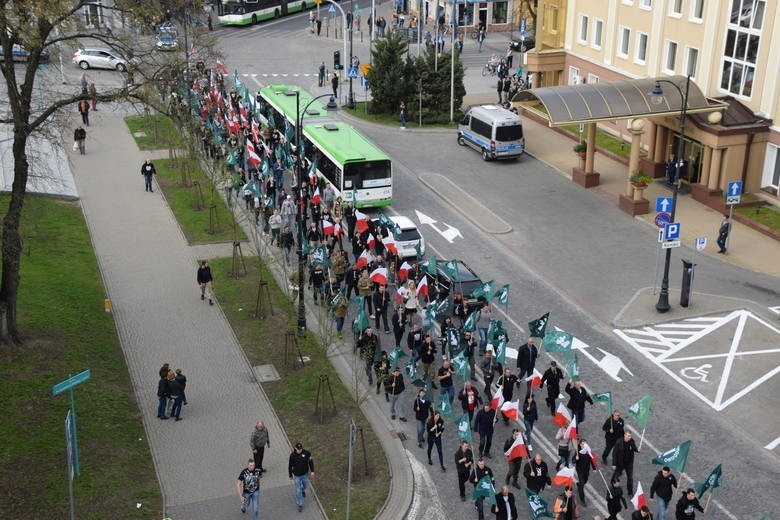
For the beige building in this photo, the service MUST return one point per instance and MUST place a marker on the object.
(726, 48)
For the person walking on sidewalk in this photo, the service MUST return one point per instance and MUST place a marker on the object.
(84, 111)
(613, 428)
(435, 427)
(93, 95)
(79, 139)
(248, 487)
(204, 281)
(552, 376)
(259, 442)
(321, 75)
(723, 233)
(394, 386)
(300, 468)
(162, 394)
(402, 115)
(147, 170)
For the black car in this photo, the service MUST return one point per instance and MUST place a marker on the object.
(467, 283)
(529, 42)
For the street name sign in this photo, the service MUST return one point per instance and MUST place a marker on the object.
(670, 244)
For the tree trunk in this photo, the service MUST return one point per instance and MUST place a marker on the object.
(12, 242)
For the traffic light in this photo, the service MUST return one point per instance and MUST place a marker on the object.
(336, 60)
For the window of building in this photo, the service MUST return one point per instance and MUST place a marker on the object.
(582, 35)
(592, 78)
(697, 10)
(499, 12)
(671, 56)
(628, 2)
(598, 26)
(675, 8)
(646, 4)
(691, 60)
(641, 48)
(743, 35)
(574, 76)
(625, 38)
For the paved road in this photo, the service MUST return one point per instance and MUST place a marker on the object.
(574, 254)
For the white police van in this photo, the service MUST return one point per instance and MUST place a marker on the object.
(492, 130)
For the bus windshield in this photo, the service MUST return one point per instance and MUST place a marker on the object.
(236, 7)
(509, 133)
(367, 174)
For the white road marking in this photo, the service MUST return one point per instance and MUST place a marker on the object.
(774, 444)
(610, 363)
(449, 234)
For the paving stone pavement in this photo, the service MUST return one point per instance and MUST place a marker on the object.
(149, 272)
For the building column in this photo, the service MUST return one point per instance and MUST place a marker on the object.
(660, 144)
(633, 158)
(714, 180)
(587, 178)
(651, 128)
(591, 150)
(706, 162)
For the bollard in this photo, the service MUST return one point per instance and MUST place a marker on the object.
(107, 305)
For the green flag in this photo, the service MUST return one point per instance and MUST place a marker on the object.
(417, 250)
(338, 298)
(558, 341)
(461, 364)
(471, 322)
(485, 291)
(538, 506)
(430, 311)
(444, 406)
(604, 397)
(430, 267)
(305, 247)
(502, 296)
(464, 427)
(320, 256)
(640, 410)
(674, 458)
(538, 326)
(712, 482)
(361, 322)
(485, 489)
(445, 307)
(492, 330)
(411, 370)
(450, 268)
(573, 368)
(501, 352)
(395, 356)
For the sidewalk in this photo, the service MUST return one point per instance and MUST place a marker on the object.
(149, 273)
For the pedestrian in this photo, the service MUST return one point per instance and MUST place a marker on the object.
(209, 23)
(552, 376)
(509, 56)
(464, 461)
(500, 90)
(84, 111)
(176, 391)
(381, 300)
(578, 396)
(275, 222)
(402, 115)
(484, 426)
(564, 451)
(565, 506)
(321, 74)
(382, 372)
(205, 278)
(182, 379)
(300, 468)
(163, 393)
(370, 349)
(334, 83)
(505, 508)
(514, 465)
(613, 428)
(623, 460)
(584, 464)
(286, 241)
(489, 368)
(259, 441)
(671, 170)
(507, 382)
(643, 513)
(663, 489)
(481, 37)
(248, 487)
(428, 360)
(394, 385)
(687, 506)
(530, 416)
(93, 95)
(445, 380)
(526, 359)
(536, 474)
(615, 499)
(469, 400)
(399, 323)
(435, 428)
(79, 140)
(340, 314)
(147, 170)
(481, 470)
(723, 233)
(422, 410)
(84, 84)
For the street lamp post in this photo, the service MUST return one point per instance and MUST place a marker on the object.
(301, 216)
(656, 96)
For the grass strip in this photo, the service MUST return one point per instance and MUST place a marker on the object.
(60, 312)
(293, 396)
(361, 112)
(764, 214)
(159, 132)
(177, 178)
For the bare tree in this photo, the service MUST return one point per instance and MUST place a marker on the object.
(43, 28)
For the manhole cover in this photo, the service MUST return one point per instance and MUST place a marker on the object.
(266, 373)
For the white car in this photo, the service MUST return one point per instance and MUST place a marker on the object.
(99, 58)
(407, 239)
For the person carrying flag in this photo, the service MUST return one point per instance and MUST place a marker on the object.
(536, 474)
(552, 376)
(505, 508)
(514, 465)
(578, 396)
(469, 399)
(584, 464)
(464, 461)
(394, 385)
(643, 513)
(507, 382)
(565, 506)
(530, 416)
(613, 428)
(615, 499)
(623, 460)
(687, 506)
(481, 470)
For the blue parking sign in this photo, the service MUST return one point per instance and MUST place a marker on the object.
(672, 231)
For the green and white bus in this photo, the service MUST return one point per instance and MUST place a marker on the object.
(358, 170)
(249, 12)
(280, 101)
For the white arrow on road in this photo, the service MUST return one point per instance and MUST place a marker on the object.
(449, 234)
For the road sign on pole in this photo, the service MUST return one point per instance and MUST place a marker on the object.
(331, 8)
(672, 231)
(664, 204)
(70, 382)
(67, 386)
(734, 193)
(522, 28)
(671, 244)
(701, 243)
(352, 72)
(662, 219)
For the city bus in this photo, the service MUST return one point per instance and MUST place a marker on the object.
(249, 12)
(280, 101)
(356, 168)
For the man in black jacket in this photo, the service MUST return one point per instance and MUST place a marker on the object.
(536, 474)
(507, 382)
(578, 396)
(469, 399)
(552, 376)
(623, 460)
(205, 278)
(505, 508)
(422, 409)
(526, 359)
(381, 301)
(687, 506)
(464, 462)
(483, 424)
(613, 428)
(480, 471)
(300, 468)
(663, 489)
(394, 385)
(162, 396)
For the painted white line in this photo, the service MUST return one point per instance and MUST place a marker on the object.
(730, 359)
(751, 386)
(774, 444)
(700, 334)
(713, 356)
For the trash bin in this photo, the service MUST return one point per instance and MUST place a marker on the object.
(687, 283)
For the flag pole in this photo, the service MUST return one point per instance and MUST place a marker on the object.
(641, 438)
(679, 485)
(609, 491)
(709, 499)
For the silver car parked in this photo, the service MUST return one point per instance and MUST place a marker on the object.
(99, 58)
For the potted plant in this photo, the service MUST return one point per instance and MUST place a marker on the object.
(640, 179)
(580, 149)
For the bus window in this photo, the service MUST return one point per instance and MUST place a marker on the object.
(368, 174)
(509, 133)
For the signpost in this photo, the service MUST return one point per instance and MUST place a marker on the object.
(69, 451)
(662, 219)
(672, 231)
(67, 386)
(668, 232)
(664, 204)
(733, 197)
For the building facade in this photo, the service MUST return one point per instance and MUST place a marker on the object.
(725, 47)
